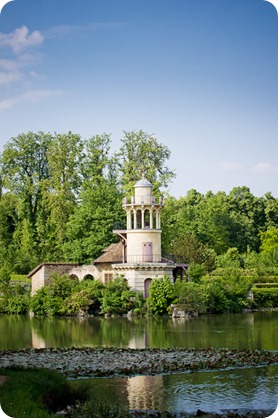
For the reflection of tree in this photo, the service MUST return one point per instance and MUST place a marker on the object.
(15, 332)
(78, 332)
(250, 330)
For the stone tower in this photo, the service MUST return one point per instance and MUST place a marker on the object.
(142, 260)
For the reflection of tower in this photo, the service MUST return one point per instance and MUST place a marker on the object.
(142, 260)
(138, 341)
(37, 341)
(146, 392)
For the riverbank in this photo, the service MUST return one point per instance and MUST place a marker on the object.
(95, 362)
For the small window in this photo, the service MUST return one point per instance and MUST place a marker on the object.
(108, 277)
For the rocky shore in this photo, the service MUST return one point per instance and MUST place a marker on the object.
(95, 362)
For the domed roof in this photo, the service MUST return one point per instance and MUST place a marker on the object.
(143, 183)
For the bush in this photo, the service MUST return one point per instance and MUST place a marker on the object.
(139, 304)
(50, 300)
(86, 296)
(191, 296)
(216, 299)
(117, 298)
(161, 295)
(265, 297)
(15, 300)
(196, 271)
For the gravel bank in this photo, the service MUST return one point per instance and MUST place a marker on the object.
(92, 362)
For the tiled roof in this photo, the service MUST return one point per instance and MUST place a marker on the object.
(50, 264)
(111, 254)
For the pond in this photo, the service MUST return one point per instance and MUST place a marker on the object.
(251, 388)
(256, 330)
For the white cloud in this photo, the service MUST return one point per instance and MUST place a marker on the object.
(11, 70)
(9, 77)
(266, 168)
(21, 39)
(8, 65)
(30, 96)
(230, 166)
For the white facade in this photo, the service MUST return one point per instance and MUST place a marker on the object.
(142, 240)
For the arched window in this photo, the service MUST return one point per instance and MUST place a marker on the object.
(139, 219)
(147, 218)
(154, 219)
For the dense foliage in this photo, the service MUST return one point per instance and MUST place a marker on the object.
(61, 195)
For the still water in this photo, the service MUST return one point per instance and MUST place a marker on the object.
(257, 330)
(251, 388)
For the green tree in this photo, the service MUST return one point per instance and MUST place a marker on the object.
(269, 239)
(248, 212)
(90, 227)
(142, 155)
(24, 168)
(65, 154)
(271, 210)
(25, 257)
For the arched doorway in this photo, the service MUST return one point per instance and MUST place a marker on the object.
(88, 277)
(147, 283)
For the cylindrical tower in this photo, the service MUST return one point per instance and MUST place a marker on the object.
(143, 233)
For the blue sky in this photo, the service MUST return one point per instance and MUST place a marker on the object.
(199, 74)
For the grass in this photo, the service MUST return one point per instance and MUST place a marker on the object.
(40, 393)
(36, 393)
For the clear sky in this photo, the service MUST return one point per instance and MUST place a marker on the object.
(202, 75)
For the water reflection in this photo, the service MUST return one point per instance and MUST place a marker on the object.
(146, 392)
(257, 330)
(253, 389)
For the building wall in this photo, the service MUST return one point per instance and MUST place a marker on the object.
(135, 241)
(82, 271)
(42, 276)
(38, 280)
(136, 275)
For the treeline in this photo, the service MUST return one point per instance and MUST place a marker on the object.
(61, 195)
(216, 231)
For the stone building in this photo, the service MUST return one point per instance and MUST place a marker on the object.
(137, 256)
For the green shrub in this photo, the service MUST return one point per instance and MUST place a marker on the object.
(265, 297)
(117, 298)
(86, 295)
(139, 304)
(161, 295)
(265, 285)
(216, 298)
(37, 303)
(196, 271)
(191, 296)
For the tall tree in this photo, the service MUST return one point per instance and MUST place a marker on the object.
(90, 227)
(65, 154)
(24, 168)
(142, 155)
